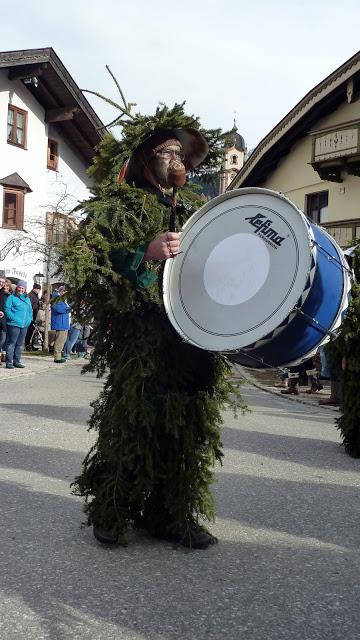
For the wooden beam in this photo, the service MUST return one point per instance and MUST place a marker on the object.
(61, 114)
(26, 71)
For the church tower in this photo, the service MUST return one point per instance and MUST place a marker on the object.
(235, 150)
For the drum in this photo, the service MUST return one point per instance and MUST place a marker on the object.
(256, 280)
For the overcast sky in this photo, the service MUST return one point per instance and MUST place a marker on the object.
(255, 57)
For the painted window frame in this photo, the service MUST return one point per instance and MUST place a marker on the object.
(16, 111)
(19, 208)
(52, 165)
(55, 235)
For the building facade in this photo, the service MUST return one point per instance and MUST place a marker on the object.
(48, 134)
(313, 155)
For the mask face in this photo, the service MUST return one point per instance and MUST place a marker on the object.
(166, 165)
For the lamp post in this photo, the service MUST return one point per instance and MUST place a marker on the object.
(38, 277)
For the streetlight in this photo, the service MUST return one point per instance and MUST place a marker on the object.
(38, 277)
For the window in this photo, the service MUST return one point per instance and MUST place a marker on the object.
(57, 226)
(13, 209)
(16, 126)
(234, 159)
(316, 206)
(52, 155)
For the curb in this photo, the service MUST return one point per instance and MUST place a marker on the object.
(249, 378)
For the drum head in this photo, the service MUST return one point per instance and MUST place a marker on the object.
(245, 262)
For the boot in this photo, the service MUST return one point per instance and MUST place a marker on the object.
(105, 537)
(195, 538)
(333, 400)
(283, 384)
(314, 384)
(293, 387)
(191, 534)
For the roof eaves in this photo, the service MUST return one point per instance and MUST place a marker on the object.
(34, 56)
(316, 94)
(75, 91)
(24, 56)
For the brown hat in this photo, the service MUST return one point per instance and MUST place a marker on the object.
(194, 147)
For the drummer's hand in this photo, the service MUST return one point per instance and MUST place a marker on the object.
(165, 245)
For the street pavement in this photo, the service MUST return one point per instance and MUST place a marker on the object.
(287, 564)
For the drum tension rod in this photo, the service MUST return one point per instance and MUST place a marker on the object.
(316, 322)
(334, 258)
(260, 360)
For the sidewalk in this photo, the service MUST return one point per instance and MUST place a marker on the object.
(266, 379)
(33, 365)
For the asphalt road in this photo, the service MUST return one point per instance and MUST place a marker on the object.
(288, 502)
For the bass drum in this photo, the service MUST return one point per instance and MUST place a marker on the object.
(256, 280)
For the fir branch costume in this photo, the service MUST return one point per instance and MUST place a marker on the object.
(158, 418)
(344, 360)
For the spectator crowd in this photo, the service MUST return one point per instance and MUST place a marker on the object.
(22, 324)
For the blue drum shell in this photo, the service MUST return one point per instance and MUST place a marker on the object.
(302, 336)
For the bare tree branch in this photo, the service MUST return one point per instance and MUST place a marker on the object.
(38, 243)
(118, 86)
(125, 110)
(111, 102)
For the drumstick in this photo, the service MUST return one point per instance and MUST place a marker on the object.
(172, 219)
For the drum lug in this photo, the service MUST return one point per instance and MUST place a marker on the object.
(326, 332)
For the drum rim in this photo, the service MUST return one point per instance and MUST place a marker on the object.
(193, 220)
(344, 301)
(347, 284)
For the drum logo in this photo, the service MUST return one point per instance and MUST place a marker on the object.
(263, 227)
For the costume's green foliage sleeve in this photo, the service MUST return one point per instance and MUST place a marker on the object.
(131, 267)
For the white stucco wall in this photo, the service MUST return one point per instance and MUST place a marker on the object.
(296, 178)
(31, 165)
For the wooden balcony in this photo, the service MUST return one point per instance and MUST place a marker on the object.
(335, 150)
(344, 231)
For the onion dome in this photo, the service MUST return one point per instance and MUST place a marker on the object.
(234, 139)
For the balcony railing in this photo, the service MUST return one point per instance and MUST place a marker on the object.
(344, 231)
(335, 150)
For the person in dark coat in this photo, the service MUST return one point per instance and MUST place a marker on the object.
(35, 303)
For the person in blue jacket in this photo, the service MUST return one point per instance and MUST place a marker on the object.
(60, 322)
(19, 313)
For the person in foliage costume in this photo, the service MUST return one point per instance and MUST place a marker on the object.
(344, 360)
(158, 417)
